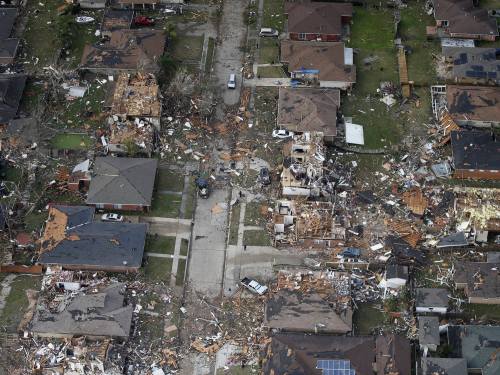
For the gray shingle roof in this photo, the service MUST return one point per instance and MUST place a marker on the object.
(122, 181)
(444, 366)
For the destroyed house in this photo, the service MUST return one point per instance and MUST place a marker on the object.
(20, 133)
(115, 19)
(476, 155)
(478, 210)
(74, 241)
(137, 97)
(443, 366)
(479, 281)
(478, 345)
(462, 19)
(295, 353)
(324, 64)
(318, 21)
(477, 106)
(8, 45)
(11, 92)
(303, 160)
(431, 300)
(473, 65)
(127, 51)
(122, 183)
(97, 313)
(309, 110)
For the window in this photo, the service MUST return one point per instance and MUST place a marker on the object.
(117, 206)
(302, 36)
(445, 23)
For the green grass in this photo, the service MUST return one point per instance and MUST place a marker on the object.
(266, 105)
(12, 173)
(160, 244)
(40, 33)
(165, 205)
(271, 72)
(34, 221)
(268, 51)
(32, 95)
(483, 312)
(367, 318)
(188, 48)
(84, 111)
(256, 238)
(158, 269)
(234, 225)
(181, 269)
(210, 55)
(273, 14)
(253, 215)
(184, 247)
(420, 60)
(85, 34)
(71, 142)
(169, 180)
(17, 301)
(190, 200)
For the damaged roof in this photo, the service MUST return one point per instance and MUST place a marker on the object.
(116, 19)
(305, 312)
(309, 109)
(444, 366)
(129, 50)
(71, 239)
(90, 314)
(11, 92)
(464, 18)
(295, 353)
(478, 344)
(480, 278)
(125, 181)
(478, 150)
(393, 355)
(472, 63)
(136, 96)
(7, 20)
(428, 330)
(431, 297)
(473, 103)
(317, 18)
(327, 57)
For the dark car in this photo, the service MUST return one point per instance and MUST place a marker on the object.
(264, 176)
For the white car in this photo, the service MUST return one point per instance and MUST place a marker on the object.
(169, 11)
(112, 217)
(254, 286)
(84, 19)
(268, 32)
(231, 84)
(282, 133)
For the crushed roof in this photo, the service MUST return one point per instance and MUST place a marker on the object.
(327, 57)
(136, 96)
(475, 150)
(317, 18)
(309, 109)
(126, 181)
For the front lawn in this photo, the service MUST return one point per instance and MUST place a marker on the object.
(256, 238)
(160, 244)
(70, 141)
(158, 269)
(165, 205)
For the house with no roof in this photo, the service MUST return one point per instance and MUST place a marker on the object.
(319, 21)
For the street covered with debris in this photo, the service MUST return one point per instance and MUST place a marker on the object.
(249, 187)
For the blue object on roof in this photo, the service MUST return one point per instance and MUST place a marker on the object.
(335, 367)
(351, 252)
(309, 71)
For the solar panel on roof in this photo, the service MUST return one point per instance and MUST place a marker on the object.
(477, 67)
(492, 74)
(335, 367)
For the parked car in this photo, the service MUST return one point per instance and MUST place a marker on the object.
(264, 176)
(112, 217)
(282, 133)
(169, 11)
(254, 286)
(203, 187)
(84, 19)
(231, 83)
(144, 21)
(268, 32)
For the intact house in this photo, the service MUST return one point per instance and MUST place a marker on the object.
(462, 19)
(11, 92)
(92, 4)
(309, 110)
(8, 45)
(428, 333)
(122, 183)
(74, 241)
(126, 51)
(99, 312)
(116, 19)
(327, 22)
(443, 366)
(295, 353)
(479, 281)
(478, 345)
(471, 65)
(324, 64)
(431, 300)
(475, 155)
(136, 4)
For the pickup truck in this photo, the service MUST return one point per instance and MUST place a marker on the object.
(254, 286)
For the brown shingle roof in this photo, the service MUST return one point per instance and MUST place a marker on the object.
(317, 18)
(464, 18)
(474, 103)
(327, 57)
